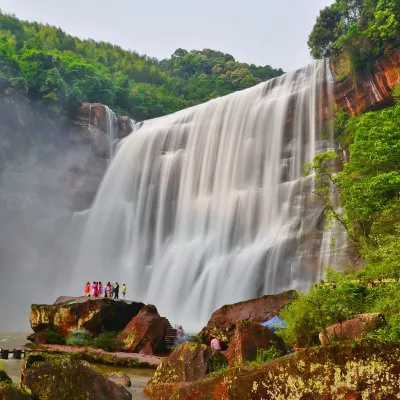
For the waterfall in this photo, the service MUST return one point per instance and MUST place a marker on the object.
(208, 206)
(111, 130)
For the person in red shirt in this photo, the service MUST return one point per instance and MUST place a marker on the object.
(87, 289)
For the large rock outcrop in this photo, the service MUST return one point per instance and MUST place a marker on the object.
(248, 339)
(190, 362)
(223, 322)
(92, 314)
(352, 328)
(98, 126)
(364, 91)
(341, 371)
(51, 377)
(146, 330)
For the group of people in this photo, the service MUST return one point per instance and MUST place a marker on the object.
(111, 290)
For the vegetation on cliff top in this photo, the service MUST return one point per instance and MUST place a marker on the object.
(361, 29)
(59, 71)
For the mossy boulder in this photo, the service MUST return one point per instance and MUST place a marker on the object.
(51, 377)
(223, 322)
(119, 378)
(355, 370)
(190, 362)
(353, 328)
(248, 338)
(145, 330)
(92, 314)
(11, 392)
(4, 378)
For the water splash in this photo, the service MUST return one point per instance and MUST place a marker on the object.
(208, 206)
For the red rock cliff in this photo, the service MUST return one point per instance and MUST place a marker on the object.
(367, 90)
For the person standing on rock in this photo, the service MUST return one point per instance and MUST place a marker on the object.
(94, 289)
(116, 290)
(108, 290)
(100, 292)
(123, 291)
(87, 289)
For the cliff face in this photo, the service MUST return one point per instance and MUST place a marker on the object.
(367, 90)
(98, 125)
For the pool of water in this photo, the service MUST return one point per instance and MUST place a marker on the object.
(139, 376)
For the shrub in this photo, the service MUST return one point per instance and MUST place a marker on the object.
(80, 337)
(266, 355)
(107, 341)
(54, 338)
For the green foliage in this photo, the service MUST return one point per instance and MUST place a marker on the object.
(363, 29)
(107, 341)
(61, 71)
(54, 338)
(396, 94)
(309, 314)
(79, 337)
(266, 355)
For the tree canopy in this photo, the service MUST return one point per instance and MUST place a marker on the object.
(364, 29)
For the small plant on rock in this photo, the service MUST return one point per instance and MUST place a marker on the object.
(54, 338)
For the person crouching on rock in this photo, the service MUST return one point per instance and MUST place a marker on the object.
(94, 289)
(215, 344)
(87, 289)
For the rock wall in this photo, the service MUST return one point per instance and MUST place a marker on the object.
(368, 90)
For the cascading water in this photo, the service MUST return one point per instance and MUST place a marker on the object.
(208, 206)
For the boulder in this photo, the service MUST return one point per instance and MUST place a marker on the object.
(92, 314)
(51, 377)
(147, 329)
(190, 362)
(352, 328)
(362, 370)
(147, 350)
(248, 338)
(119, 378)
(369, 89)
(223, 322)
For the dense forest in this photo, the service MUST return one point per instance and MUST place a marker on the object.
(368, 185)
(48, 66)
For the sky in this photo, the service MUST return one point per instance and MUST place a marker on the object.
(254, 31)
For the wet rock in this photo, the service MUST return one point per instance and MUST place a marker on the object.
(51, 377)
(248, 338)
(147, 350)
(92, 314)
(38, 337)
(119, 378)
(367, 90)
(190, 362)
(335, 372)
(352, 328)
(91, 125)
(223, 322)
(147, 329)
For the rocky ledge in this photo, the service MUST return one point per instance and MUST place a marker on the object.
(345, 371)
(91, 314)
(132, 360)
